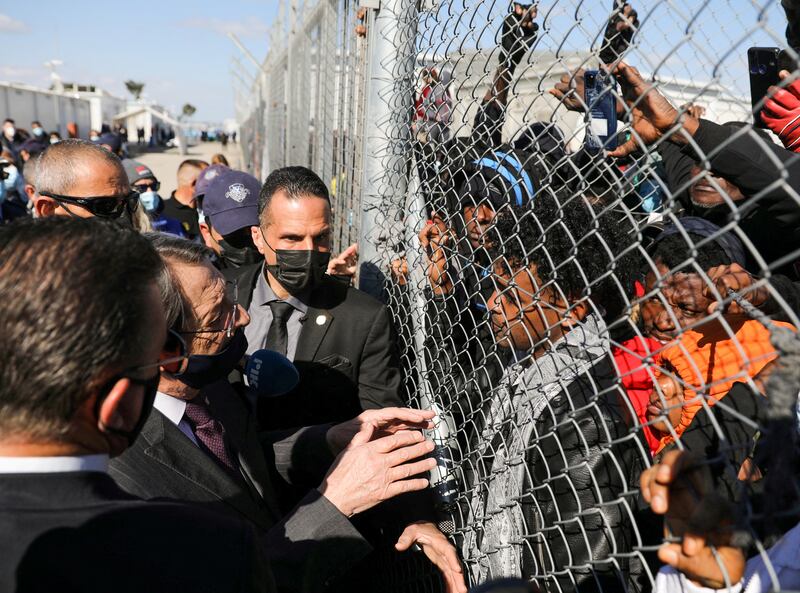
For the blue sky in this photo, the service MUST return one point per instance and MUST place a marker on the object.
(178, 48)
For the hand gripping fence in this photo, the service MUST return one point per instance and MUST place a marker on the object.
(591, 257)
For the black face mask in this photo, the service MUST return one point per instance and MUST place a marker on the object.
(236, 257)
(150, 390)
(299, 269)
(205, 369)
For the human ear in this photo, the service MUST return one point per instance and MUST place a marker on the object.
(44, 206)
(258, 239)
(115, 410)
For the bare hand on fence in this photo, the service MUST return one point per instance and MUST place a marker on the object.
(570, 91)
(438, 549)
(734, 277)
(435, 239)
(694, 110)
(386, 421)
(369, 471)
(652, 115)
(345, 263)
(679, 488)
(781, 112)
(399, 270)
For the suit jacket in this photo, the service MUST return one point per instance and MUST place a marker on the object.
(79, 532)
(346, 355)
(314, 540)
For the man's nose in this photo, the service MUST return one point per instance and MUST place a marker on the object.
(664, 321)
(242, 317)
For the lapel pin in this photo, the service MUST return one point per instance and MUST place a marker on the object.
(321, 319)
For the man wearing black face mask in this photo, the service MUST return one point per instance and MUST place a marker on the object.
(339, 338)
(230, 208)
(89, 339)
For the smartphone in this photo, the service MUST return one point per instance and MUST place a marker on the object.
(601, 133)
(763, 65)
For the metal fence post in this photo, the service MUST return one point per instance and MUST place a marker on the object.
(390, 102)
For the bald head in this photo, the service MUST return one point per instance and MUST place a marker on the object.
(188, 172)
(77, 169)
(70, 163)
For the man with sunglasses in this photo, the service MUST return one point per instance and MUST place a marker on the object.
(200, 443)
(78, 179)
(88, 345)
(143, 181)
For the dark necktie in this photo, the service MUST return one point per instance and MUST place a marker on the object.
(210, 433)
(278, 335)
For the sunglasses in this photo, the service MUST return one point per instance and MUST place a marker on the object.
(140, 188)
(174, 355)
(100, 206)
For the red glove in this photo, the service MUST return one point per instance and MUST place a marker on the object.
(781, 113)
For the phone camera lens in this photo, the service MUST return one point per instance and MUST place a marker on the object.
(762, 69)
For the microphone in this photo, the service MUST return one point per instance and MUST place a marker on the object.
(269, 374)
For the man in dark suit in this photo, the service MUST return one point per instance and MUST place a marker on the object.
(200, 442)
(340, 339)
(80, 305)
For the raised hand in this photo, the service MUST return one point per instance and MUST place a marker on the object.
(651, 113)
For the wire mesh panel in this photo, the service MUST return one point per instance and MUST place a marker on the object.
(589, 247)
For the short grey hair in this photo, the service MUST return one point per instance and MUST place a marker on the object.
(55, 168)
(30, 169)
(170, 247)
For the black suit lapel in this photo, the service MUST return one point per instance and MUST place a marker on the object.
(240, 428)
(170, 447)
(316, 325)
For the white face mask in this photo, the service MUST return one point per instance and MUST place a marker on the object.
(149, 200)
(11, 131)
(38, 131)
(54, 141)
(12, 174)
(94, 138)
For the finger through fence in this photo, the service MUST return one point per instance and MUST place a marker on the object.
(590, 248)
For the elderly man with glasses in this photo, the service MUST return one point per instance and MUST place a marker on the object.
(200, 443)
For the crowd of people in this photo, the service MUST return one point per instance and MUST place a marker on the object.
(194, 395)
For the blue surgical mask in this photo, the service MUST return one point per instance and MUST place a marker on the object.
(150, 200)
(94, 138)
(13, 174)
(38, 131)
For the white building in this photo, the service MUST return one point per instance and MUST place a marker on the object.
(25, 103)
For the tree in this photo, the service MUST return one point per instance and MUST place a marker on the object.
(134, 88)
(188, 110)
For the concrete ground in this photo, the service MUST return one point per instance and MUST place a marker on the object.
(164, 163)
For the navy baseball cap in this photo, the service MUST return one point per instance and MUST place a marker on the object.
(110, 139)
(231, 201)
(205, 178)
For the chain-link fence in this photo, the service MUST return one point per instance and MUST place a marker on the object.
(590, 254)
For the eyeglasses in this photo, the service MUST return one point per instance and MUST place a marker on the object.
(174, 355)
(100, 206)
(232, 293)
(140, 188)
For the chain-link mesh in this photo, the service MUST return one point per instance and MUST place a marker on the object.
(590, 255)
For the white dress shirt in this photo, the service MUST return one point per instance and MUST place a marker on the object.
(50, 465)
(175, 411)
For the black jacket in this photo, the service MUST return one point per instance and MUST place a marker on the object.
(314, 540)
(347, 365)
(584, 463)
(769, 177)
(78, 532)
